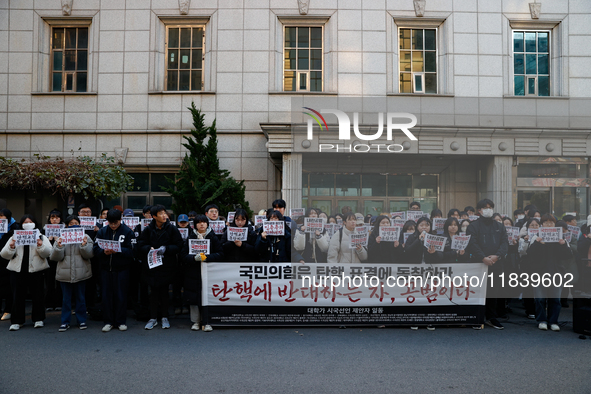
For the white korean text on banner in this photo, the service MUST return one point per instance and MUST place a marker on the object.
(26, 237)
(197, 246)
(87, 222)
(53, 230)
(436, 241)
(237, 233)
(217, 226)
(154, 259)
(72, 235)
(107, 244)
(302, 294)
(389, 233)
(460, 242)
(274, 228)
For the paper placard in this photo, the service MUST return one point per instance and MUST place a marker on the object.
(414, 215)
(184, 233)
(3, 225)
(460, 242)
(313, 224)
(231, 216)
(217, 226)
(197, 246)
(87, 222)
(571, 213)
(361, 230)
(131, 221)
(72, 235)
(576, 232)
(339, 221)
(173, 223)
(237, 233)
(398, 223)
(389, 233)
(258, 220)
(27, 237)
(145, 223)
(438, 224)
(331, 228)
(101, 222)
(406, 235)
(533, 232)
(107, 244)
(567, 236)
(154, 259)
(436, 241)
(551, 234)
(402, 215)
(53, 230)
(295, 213)
(473, 217)
(358, 239)
(274, 227)
(512, 235)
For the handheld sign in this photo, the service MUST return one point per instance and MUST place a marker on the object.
(414, 215)
(533, 232)
(3, 225)
(313, 224)
(72, 235)
(575, 231)
(154, 259)
(473, 217)
(551, 234)
(571, 213)
(460, 242)
(237, 233)
(184, 233)
(436, 241)
(101, 222)
(401, 214)
(295, 213)
(26, 237)
(512, 235)
(258, 220)
(53, 230)
(107, 244)
(217, 226)
(274, 228)
(358, 239)
(145, 223)
(173, 223)
(197, 246)
(339, 221)
(231, 216)
(131, 221)
(567, 236)
(331, 228)
(438, 224)
(398, 223)
(389, 233)
(361, 230)
(87, 222)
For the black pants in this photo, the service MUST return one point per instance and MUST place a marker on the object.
(5, 291)
(53, 290)
(20, 282)
(158, 301)
(114, 287)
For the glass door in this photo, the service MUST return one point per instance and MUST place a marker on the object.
(540, 197)
(323, 205)
(373, 207)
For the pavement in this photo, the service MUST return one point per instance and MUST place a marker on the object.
(518, 359)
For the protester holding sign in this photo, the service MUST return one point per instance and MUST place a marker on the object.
(449, 255)
(414, 249)
(192, 265)
(115, 270)
(274, 248)
(182, 223)
(238, 251)
(93, 284)
(339, 251)
(162, 236)
(313, 246)
(547, 257)
(526, 265)
(53, 290)
(212, 211)
(380, 250)
(26, 265)
(489, 245)
(5, 290)
(73, 269)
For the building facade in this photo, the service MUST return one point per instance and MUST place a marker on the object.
(501, 90)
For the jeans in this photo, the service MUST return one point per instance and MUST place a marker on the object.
(114, 287)
(551, 296)
(78, 289)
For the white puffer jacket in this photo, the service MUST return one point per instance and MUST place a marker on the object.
(37, 256)
(341, 253)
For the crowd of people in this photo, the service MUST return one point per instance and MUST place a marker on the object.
(114, 267)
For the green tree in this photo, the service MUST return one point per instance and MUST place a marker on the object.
(200, 180)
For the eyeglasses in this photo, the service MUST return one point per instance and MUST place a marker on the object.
(88, 211)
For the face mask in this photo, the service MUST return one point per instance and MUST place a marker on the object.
(519, 217)
(28, 226)
(487, 212)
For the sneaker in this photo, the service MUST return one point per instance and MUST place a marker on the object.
(122, 327)
(38, 324)
(64, 327)
(195, 327)
(207, 328)
(107, 328)
(543, 326)
(83, 326)
(14, 327)
(381, 326)
(494, 323)
(414, 328)
(59, 308)
(165, 323)
(478, 327)
(185, 311)
(151, 324)
(554, 327)
(48, 309)
(178, 311)
(430, 327)
(531, 316)
(6, 316)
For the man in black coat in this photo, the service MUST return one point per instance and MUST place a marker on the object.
(5, 290)
(489, 245)
(166, 239)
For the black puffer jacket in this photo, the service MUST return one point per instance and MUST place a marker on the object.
(244, 253)
(154, 237)
(116, 261)
(488, 237)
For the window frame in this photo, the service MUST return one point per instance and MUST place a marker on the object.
(63, 50)
(422, 73)
(149, 194)
(550, 70)
(297, 71)
(166, 69)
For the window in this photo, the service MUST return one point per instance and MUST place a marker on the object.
(302, 59)
(147, 190)
(184, 59)
(418, 60)
(69, 59)
(531, 63)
